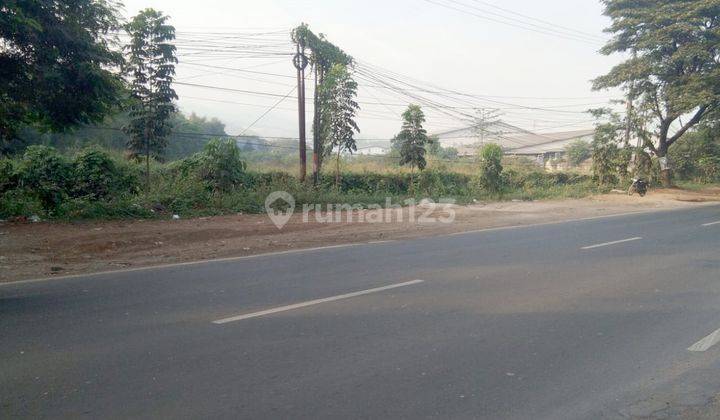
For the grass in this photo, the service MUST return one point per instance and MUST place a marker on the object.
(696, 186)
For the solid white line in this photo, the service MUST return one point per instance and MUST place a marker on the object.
(612, 243)
(712, 224)
(706, 343)
(313, 302)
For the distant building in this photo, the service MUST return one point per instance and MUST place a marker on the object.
(372, 151)
(514, 140)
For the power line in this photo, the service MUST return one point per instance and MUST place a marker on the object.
(538, 20)
(268, 111)
(545, 32)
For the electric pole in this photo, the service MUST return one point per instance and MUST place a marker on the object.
(486, 118)
(300, 62)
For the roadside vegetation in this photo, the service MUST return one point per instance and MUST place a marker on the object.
(114, 145)
(95, 183)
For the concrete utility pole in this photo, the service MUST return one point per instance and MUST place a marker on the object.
(300, 62)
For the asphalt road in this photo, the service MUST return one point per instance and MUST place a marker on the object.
(553, 321)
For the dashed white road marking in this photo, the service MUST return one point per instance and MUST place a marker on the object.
(612, 243)
(707, 342)
(314, 302)
(712, 224)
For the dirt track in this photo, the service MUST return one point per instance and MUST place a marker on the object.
(35, 250)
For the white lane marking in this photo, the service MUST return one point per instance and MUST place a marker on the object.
(313, 302)
(712, 224)
(612, 243)
(706, 343)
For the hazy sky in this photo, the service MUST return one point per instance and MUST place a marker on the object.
(415, 38)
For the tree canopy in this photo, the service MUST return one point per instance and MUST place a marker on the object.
(151, 66)
(56, 64)
(412, 138)
(338, 93)
(673, 69)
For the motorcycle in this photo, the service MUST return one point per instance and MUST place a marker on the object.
(639, 186)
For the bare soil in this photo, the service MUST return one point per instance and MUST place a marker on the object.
(46, 249)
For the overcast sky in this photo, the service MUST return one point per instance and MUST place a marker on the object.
(464, 51)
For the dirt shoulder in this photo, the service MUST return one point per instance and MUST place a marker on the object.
(37, 250)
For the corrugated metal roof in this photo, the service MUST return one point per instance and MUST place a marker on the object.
(513, 139)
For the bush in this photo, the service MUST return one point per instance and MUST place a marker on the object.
(694, 154)
(96, 176)
(121, 207)
(19, 203)
(578, 152)
(222, 167)
(8, 178)
(47, 174)
(605, 154)
(219, 165)
(709, 167)
(491, 167)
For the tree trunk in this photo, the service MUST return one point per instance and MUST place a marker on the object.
(665, 166)
(665, 170)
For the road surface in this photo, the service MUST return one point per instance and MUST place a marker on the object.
(603, 318)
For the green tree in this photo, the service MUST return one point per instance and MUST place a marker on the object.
(47, 174)
(412, 139)
(57, 64)
(672, 72)
(340, 108)
(434, 148)
(221, 165)
(578, 152)
(700, 145)
(151, 66)
(491, 167)
(605, 153)
(323, 56)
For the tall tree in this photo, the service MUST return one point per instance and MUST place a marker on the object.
(338, 93)
(412, 138)
(673, 70)
(57, 62)
(151, 67)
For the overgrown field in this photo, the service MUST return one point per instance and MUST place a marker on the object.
(94, 183)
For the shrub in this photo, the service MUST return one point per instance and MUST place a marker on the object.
(219, 165)
(709, 167)
(578, 152)
(491, 167)
(96, 176)
(19, 203)
(605, 154)
(120, 207)
(46, 173)
(8, 178)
